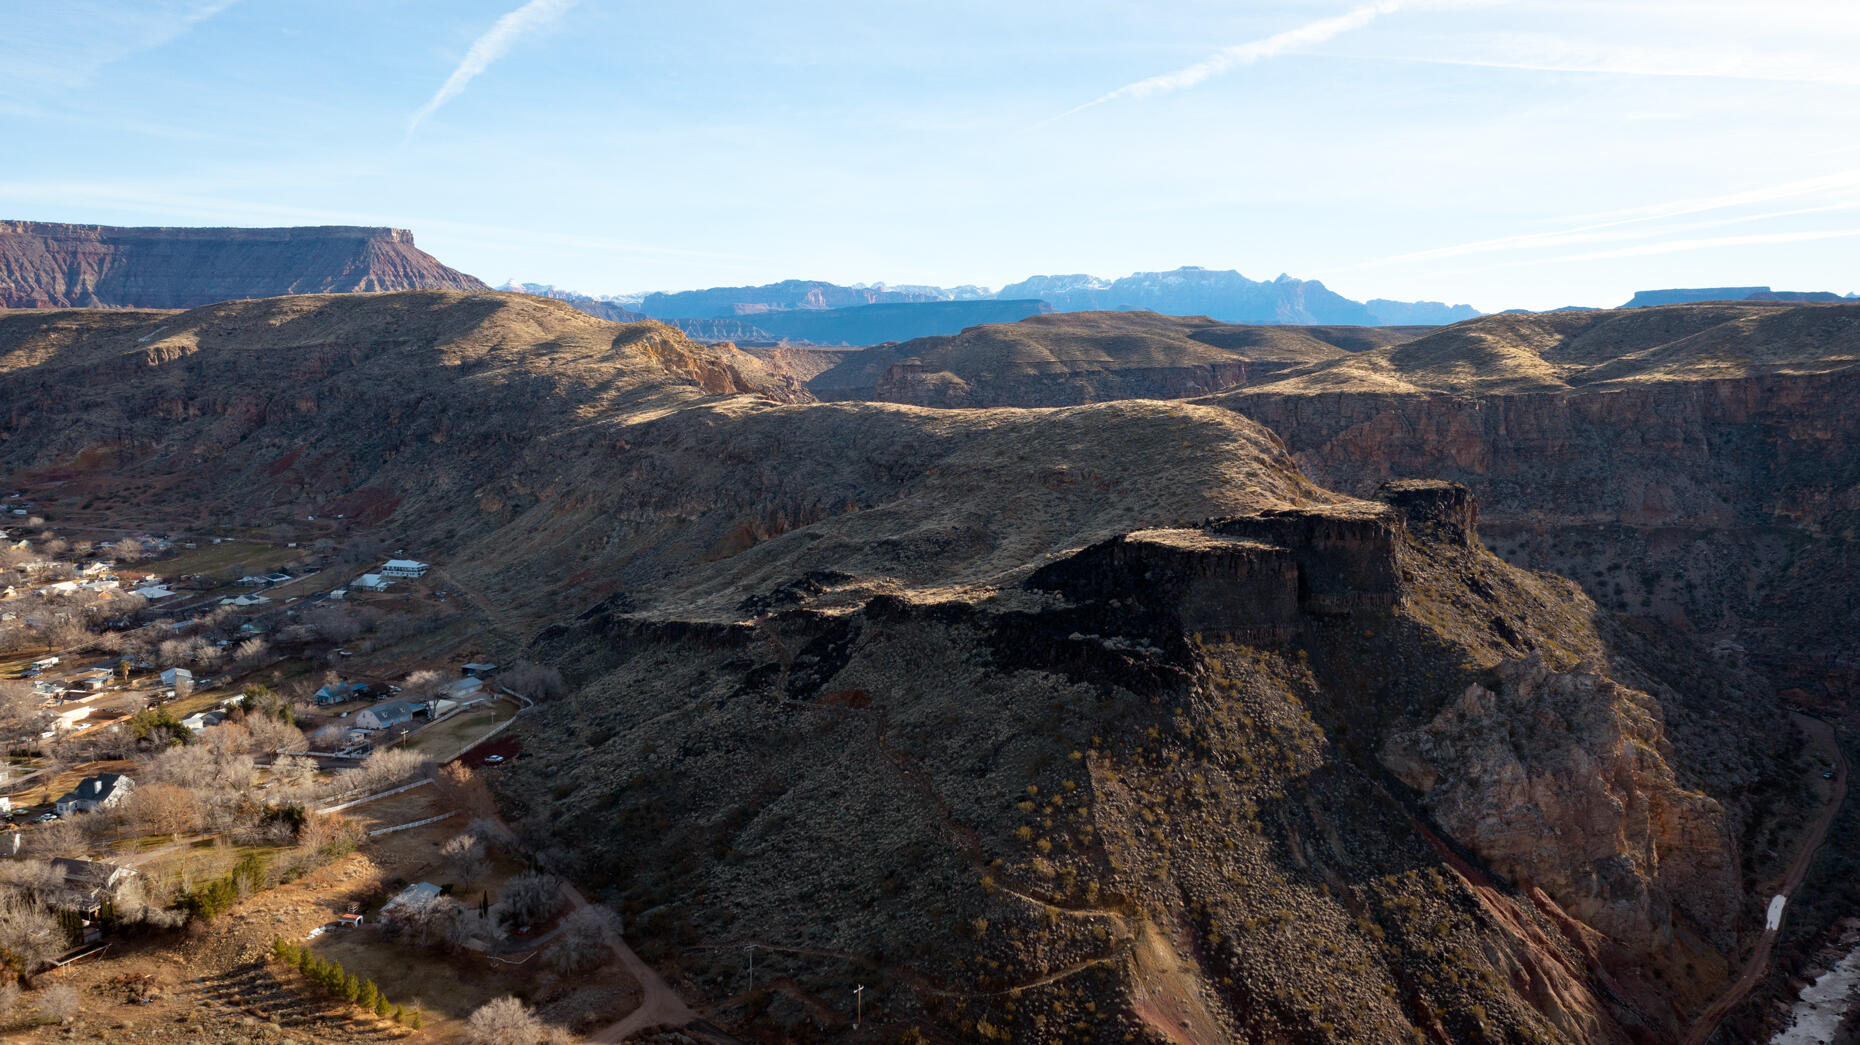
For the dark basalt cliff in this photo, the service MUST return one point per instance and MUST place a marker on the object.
(47, 265)
(1728, 507)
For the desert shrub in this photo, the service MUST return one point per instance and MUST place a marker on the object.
(503, 1021)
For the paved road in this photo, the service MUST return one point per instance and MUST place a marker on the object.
(1758, 967)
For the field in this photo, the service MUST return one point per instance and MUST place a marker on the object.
(211, 559)
(443, 740)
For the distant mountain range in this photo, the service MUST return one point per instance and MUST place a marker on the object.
(822, 313)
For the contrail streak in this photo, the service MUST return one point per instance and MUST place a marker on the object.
(1229, 58)
(488, 49)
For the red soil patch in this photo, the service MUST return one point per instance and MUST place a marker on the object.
(505, 746)
(278, 467)
(368, 505)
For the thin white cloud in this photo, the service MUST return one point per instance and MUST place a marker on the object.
(1842, 180)
(1229, 58)
(55, 48)
(1664, 65)
(1679, 245)
(489, 48)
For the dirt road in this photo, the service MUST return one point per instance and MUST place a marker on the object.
(1821, 736)
(659, 1005)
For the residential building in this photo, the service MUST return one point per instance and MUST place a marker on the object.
(404, 568)
(414, 898)
(371, 582)
(339, 692)
(172, 676)
(200, 720)
(477, 669)
(94, 883)
(95, 792)
(384, 716)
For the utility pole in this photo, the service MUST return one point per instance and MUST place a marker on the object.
(859, 1005)
(751, 951)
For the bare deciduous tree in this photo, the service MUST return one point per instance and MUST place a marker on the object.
(422, 685)
(503, 1021)
(62, 838)
(533, 681)
(530, 897)
(465, 856)
(294, 772)
(460, 788)
(163, 809)
(586, 940)
(30, 938)
(439, 923)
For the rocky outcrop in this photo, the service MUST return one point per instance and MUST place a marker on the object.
(1726, 506)
(1560, 779)
(46, 265)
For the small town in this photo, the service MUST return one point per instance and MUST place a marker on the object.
(278, 753)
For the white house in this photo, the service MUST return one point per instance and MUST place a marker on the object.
(95, 792)
(414, 898)
(371, 582)
(173, 675)
(68, 720)
(382, 716)
(403, 568)
(154, 592)
(200, 720)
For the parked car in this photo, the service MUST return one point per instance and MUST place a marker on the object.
(492, 760)
(46, 818)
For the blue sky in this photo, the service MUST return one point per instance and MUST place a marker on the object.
(1506, 154)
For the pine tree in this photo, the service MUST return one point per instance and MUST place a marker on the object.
(368, 995)
(415, 1020)
(351, 989)
(382, 1008)
(400, 1015)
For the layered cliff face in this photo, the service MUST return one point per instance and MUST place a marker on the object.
(452, 409)
(1692, 465)
(1098, 723)
(1141, 792)
(46, 265)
